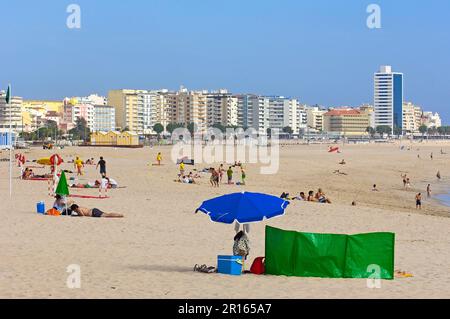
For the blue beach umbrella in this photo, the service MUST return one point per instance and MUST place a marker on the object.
(243, 208)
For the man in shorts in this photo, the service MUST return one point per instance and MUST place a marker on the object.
(95, 212)
(102, 165)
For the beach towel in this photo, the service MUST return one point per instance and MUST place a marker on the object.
(53, 212)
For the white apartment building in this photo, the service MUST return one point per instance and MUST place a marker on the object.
(412, 117)
(431, 119)
(14, 109)
(222, 108)
(104, 118)
(314, 117)
(388, 98)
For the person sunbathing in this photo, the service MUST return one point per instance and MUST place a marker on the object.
(78, 211)
(27, 174)
(311, 197)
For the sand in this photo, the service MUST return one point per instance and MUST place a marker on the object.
(151, 252)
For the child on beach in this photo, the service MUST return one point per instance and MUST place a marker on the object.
(214, 180)
(230, 175)
(159, 158)
(419, 201)
(243, 175)
(78, 163)
(221, 171)
(181, 168)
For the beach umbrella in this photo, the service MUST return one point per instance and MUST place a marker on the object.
(243, 208)
(62, 188)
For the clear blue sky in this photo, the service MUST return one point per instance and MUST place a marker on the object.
(320, 51)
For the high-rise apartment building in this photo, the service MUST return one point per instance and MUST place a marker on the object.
(388, 98)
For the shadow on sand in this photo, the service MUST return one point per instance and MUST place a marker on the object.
(162, 268)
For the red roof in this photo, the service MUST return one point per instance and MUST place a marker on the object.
(343, 112)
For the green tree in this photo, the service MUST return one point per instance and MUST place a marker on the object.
(288, 130)
(220, 127)
(371, 131)
(423, 129)
(158, 128)
(173, 126)
(398, 131)
(81, 131)
(384, 129)
(192, 128)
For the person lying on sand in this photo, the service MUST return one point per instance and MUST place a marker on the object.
(342, 162)
(338, 172)
(78, 211)
(28, 173)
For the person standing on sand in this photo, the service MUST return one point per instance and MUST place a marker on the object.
(438, 175)
(78, 163)
(159, 158)
(429, 190)
(221, 171)
(230, 175)
(431, 156)
(241, 246)
(102, 165)
(419, 201)
(243, 175)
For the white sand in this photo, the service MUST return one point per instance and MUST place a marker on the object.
(151, 253)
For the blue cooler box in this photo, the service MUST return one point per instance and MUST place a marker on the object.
(230, 265)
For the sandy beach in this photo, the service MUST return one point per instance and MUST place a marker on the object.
(151, 252)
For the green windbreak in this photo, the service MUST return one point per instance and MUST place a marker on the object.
(292, 253)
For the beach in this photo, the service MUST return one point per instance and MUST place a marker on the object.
(152, 251)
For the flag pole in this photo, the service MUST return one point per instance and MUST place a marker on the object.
(10, 141)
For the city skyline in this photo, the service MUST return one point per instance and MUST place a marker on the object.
(321, 53)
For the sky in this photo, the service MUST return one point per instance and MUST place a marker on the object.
(320, 51)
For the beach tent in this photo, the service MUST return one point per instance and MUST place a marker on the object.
(290, 253)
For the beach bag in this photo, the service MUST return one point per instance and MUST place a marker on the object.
(53, 212)
(258, 267)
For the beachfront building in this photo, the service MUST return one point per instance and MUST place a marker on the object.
(191, 107)
(388, 98)
(11, 113)
(369, 110)
(302, 118)
(104, 118)
(283, 113)
(431, 120)
(314, 117)
(346, 122)
(128, 108)
(412, 117)
(35, 113)
(222, 108)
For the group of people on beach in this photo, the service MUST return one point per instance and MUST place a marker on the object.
(318, 197)
(217, 174)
